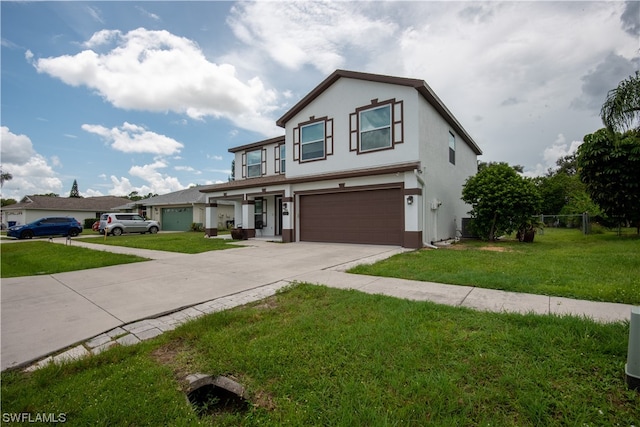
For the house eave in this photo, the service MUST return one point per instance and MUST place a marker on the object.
(281, 179)
(259, 144)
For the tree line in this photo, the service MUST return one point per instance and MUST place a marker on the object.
(601, 178)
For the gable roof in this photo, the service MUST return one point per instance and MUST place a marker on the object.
(420, 85)
(181, 197)
(276, 140)
(89, 204)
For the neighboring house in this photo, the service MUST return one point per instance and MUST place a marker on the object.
(365, 158)
(31, 208)
(177, 211)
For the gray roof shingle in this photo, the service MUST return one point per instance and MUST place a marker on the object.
(90, 204)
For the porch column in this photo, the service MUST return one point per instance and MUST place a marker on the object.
(413, 211)
(211, 219)
(249, 217)
(288, 215)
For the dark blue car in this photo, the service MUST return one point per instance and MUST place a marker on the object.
(49, 226)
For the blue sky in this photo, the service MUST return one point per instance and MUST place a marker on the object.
(149, 96)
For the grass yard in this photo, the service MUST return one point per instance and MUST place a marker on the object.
(560, 262)
(188, 242)
(313, 355)
(42, 257)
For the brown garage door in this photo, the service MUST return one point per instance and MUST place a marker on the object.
(370, 217)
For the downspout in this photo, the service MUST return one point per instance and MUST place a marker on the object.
(423, 220)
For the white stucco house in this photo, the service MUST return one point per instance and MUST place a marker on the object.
(178, 210)
(365, 158)
(31, 208)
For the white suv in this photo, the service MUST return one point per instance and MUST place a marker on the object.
(118, 223)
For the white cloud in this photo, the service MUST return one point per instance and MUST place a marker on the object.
(16, 149)
(188, 169)
(552, 153)
(158, 71)
(148, 14)
(318, 34)
(91, 193)
(157, 182)
(121, 187)
(131, 138)
(30, 170)
(95, 13)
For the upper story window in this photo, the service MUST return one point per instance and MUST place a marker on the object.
(254, 163)
(452, 148)
(313, 140)
(280, 155)
(377, 126)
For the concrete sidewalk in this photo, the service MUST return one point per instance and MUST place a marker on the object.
(90, 310)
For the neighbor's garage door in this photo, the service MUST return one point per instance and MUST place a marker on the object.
(369, 217)
(177, 219)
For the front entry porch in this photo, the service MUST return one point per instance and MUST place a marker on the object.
(259, 217)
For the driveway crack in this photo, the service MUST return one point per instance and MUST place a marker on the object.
(87, 299)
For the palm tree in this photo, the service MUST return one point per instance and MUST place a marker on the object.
(622, 107)
(5, 176)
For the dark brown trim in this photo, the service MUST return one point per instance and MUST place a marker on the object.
(396, 125)
(281, 179)
(351, 189)
(413, 191)
(412, 239)
(287, 235)
(328, 138)
(251, 232)
(259, 144)
(278, 159)
(211, 232)
(248, 202)
(262, 193)
(212, 205)
(287, 199)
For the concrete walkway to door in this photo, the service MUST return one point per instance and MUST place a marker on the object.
(86, 311)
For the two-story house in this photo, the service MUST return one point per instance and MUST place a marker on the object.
(365, 158)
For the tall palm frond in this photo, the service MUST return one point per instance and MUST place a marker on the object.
(621, 110)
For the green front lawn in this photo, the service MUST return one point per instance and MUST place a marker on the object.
(188, 242)
(560, 262)
(42, 257)
(315, 356)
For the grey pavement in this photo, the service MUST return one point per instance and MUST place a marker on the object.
(68, 315)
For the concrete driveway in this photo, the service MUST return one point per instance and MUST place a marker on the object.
(44, 314)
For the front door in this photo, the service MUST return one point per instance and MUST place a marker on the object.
(278, 216)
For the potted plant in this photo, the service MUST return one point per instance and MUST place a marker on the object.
(527, 230)
(238, 233)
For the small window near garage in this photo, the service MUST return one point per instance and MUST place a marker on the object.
(313, 140)
(254, 164)
(452, 148)
(377, 126)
